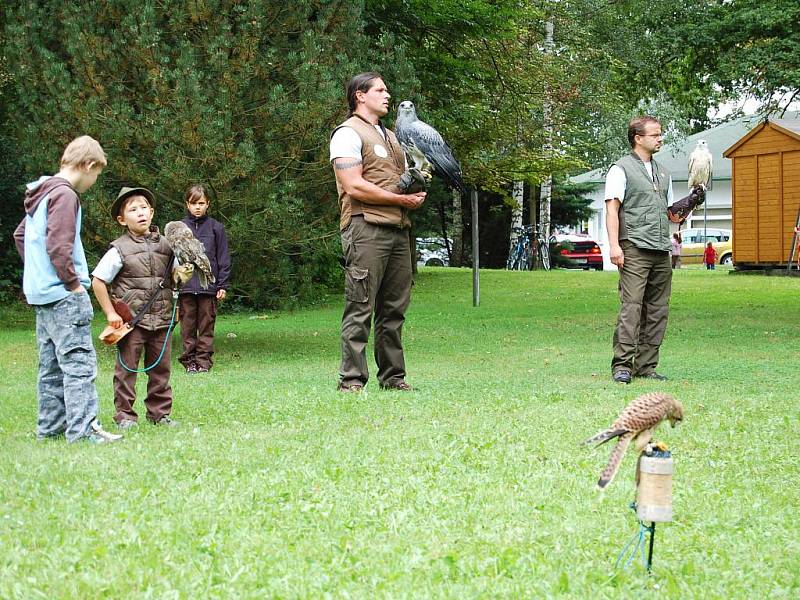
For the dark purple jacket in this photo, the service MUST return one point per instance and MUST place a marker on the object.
(212, 234)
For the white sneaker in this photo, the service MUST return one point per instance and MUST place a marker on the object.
(101, 436)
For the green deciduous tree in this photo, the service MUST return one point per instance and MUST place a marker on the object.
(240, 96)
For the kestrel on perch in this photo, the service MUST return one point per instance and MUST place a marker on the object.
(636, 423)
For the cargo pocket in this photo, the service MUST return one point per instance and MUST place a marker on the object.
(356, 284)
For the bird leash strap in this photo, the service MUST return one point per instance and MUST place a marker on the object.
(143, 311)
(636, 544)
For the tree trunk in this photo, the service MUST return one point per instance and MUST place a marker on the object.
(546, 191)
(517, 195)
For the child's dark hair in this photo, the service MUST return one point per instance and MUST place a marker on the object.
(195, 192)
(677, 236)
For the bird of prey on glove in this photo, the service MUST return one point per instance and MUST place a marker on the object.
(421, 141)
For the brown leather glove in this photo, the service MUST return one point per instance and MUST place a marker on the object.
(680, 209)
(413, 181)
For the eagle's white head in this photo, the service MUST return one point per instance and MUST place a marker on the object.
(702, 144)
(406, 110)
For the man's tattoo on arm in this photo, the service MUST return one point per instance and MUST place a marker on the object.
(347, 165)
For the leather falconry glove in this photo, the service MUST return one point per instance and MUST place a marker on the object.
(413, 181)
(680, 209)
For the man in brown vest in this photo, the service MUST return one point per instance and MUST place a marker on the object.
(374, 200)
(638, 191)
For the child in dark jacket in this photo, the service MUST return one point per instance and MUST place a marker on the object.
(197, 305)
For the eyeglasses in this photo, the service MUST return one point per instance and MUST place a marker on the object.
(658, 135)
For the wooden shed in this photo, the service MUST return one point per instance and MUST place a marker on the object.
(766, 193)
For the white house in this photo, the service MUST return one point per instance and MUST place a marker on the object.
(675, 158)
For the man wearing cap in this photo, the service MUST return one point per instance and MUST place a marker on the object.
(125, 280)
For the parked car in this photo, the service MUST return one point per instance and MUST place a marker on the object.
(432, 252)
(693, 245)
(576, 251)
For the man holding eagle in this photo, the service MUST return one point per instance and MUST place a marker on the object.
(376, 193)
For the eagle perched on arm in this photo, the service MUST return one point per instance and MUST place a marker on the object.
(699, 181)
(700, 166)
(417, 136)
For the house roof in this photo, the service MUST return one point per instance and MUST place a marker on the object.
(675, 156)
(790, 127)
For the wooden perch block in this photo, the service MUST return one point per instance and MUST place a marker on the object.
(654, 493)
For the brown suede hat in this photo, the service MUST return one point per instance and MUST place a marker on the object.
(129, 191)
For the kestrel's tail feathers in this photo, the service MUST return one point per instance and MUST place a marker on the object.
(615, 460)
(602, 437)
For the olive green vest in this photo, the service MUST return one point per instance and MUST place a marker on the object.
(383, 161)
(144, 262)
(643, 219)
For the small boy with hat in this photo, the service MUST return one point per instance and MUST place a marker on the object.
(132, 274)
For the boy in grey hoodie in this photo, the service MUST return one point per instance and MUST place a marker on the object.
(55, 281)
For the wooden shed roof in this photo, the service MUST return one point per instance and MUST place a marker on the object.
(790, 127)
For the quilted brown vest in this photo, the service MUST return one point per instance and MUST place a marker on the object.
(383, 161)
(144, 262)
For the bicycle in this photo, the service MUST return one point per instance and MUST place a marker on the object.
(543, 249)
(520, 255)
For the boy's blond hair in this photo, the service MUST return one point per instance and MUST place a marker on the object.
(83, 150)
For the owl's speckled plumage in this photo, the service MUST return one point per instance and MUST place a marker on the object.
(636, 423)
(189, 251)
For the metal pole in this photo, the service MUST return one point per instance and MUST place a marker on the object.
(476, 284)
(650, 552)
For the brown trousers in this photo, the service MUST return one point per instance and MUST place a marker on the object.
(377, 280)
(198, 315)
(159, 391)
(645, 284)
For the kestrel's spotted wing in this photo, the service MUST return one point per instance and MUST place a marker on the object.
(636, 423)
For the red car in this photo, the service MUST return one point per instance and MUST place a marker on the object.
(577, 251)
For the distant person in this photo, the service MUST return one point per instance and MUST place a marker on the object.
(198, 305)
(677, 244)
(368, 163)
(710, 257)
(638, 191)
(133, 271)
(55, 281)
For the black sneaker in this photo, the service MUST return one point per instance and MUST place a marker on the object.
(622, 376)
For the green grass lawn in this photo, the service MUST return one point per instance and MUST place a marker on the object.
(474, 486)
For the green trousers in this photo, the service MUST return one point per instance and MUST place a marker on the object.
(645, 283)
(377, 281)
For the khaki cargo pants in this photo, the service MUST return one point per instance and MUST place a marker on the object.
(645, 284)
(377, 280)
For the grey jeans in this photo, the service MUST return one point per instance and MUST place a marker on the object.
(67, 368)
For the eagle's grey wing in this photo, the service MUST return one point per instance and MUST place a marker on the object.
(432, 145)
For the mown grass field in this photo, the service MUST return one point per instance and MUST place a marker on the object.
(474, 486)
